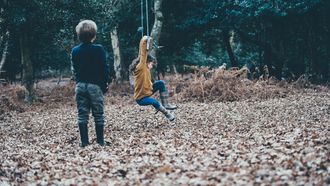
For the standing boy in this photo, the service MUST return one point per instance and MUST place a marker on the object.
(92, 77)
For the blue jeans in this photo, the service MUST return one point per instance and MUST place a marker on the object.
(156, 86)
(89, 97)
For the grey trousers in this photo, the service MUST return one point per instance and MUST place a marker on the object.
(89, 97)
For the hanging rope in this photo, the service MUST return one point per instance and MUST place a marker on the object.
(142, 18)
(147, 17)
(150, 43)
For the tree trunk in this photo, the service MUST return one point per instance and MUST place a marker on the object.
(280, 61)
(158, 24)
(4, 52)
(60, 77)
(226, 40)
(117, 55)
(267, 57)
(27, 77)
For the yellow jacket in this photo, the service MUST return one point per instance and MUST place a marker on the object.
(142, 75)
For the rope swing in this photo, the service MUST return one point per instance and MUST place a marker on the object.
(147, 17)
(141, 29)
(150, 43)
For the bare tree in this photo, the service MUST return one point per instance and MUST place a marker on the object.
(4, 51)
(27, 65)
(116, 54)
(158, 24)
(110, 11)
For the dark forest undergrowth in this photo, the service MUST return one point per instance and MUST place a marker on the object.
(237, 131)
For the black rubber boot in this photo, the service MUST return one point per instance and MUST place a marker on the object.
(83, 130)
(164, 99)
(100, 134)
(167, 114)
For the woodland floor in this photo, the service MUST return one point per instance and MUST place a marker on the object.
(280, 140)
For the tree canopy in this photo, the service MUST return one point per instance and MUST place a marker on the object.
(290, 37)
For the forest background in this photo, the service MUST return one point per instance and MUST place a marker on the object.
(291, 38)
(250, 77)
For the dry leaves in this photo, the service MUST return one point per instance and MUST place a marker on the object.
(275, 141)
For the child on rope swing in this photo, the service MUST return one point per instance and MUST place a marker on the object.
(143, 87)
(92, 76)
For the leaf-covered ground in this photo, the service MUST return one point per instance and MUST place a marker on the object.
(281, 141)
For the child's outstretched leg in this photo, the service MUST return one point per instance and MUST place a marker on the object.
(151, 101)
(164, 95)
(167, 113)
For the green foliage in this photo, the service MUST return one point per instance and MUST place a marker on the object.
(195, 55)
(285, 35)
(290, 36)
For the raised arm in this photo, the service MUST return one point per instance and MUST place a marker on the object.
(143, 52)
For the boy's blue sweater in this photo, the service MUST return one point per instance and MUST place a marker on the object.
(89, 64)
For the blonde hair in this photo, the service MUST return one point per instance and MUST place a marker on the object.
(86, 31)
